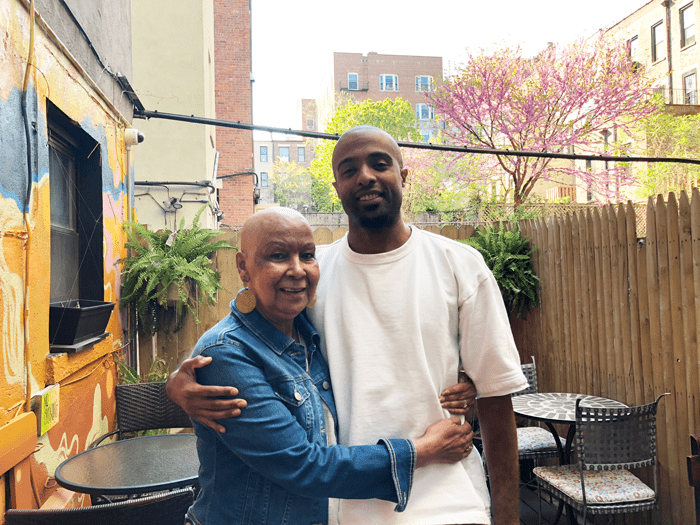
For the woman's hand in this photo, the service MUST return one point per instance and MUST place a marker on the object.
(202, 403)
(447, 441)
(460, 399)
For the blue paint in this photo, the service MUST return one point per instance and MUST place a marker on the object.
(13, 146)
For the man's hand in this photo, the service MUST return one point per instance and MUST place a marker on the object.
(459, 399)
(200, 402)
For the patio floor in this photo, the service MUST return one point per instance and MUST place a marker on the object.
(528, 508)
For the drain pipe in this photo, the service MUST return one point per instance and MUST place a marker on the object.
(669, 48)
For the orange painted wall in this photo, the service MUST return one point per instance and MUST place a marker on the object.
(87, 378)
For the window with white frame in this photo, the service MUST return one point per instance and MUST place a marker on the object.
(301, 153)
(690, 88)
(657, 42)
(310, 122)
(389, 82)
(687, 19)
(263, 153)
(427, 135)
(424, 83)
(263, 179)
(284, 153)
(353, 82)
(633, 46)
(424, 112)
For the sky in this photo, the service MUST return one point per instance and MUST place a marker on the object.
(293, 42)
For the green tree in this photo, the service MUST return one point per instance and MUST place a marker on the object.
(292, 184)
(396, 117)
(669, 135)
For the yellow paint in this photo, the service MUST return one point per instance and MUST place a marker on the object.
(87, 378)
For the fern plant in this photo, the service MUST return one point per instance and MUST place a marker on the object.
(163, 259)
(508, 255)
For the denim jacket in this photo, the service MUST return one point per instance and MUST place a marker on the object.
(273, 465)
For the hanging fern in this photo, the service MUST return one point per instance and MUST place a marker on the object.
(164, 258)
(507, 254)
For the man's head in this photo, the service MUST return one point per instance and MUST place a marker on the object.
(277, 260)
(369, 177)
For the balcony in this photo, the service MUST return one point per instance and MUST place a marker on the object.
(679, 96)
(354, 86)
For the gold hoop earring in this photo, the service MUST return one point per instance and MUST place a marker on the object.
(245, 301)
(312, 302)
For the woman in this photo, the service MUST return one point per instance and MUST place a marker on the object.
(273, 464)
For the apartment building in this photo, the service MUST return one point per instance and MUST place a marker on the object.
(285, 148)
(661, 36)
(377, 77)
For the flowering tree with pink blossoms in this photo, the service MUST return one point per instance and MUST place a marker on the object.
(564, 100)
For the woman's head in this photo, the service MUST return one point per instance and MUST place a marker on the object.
(277, 259)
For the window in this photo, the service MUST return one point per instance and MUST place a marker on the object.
(263, 179)
(263, 153)
(75, 188)
(657, 42)
(389, 82)
(309, 122)
(301, 150)
(424, 112)
(284, 153)
(687, 17)
(352, 82)
(690, 88)
(427, 135)
(633, 47)
(424, 83)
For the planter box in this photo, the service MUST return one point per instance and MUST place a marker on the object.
(72, 322)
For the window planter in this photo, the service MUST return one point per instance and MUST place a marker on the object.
(74, 324)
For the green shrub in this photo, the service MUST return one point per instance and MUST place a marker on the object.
(164, 258)
(508, 255)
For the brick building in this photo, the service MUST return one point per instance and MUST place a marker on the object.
(234, 102)
(287, 148)
(377, 77)
(661, 36)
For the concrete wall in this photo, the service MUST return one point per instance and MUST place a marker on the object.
(86, 378)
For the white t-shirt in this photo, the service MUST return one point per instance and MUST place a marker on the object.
(394, 327)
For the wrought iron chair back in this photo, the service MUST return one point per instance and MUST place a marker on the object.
(530, 371)
(162, 509)
(145, 406)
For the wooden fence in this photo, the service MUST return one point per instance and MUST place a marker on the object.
(619, 317)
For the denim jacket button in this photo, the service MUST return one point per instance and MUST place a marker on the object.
(297, 396)
(326, 385)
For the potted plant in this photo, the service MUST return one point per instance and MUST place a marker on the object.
(166, 263)
(508, 255)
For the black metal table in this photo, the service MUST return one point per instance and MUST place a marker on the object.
(559, 408)
(133, 466)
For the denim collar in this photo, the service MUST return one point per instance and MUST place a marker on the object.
(277, 341)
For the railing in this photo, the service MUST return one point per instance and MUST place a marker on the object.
(679, 96)
(343, 85)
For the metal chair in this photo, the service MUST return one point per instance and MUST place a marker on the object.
(534, 443)
(145, 406)
(609, 442)
(167, 508)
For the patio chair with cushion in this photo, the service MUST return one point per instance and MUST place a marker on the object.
(167, 508)
(145, 406)
(609, 442)
(534, 443)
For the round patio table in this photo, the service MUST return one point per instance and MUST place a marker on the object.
(133, 466)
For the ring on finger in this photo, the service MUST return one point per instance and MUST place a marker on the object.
(468, 450)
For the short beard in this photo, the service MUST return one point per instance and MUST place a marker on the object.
(377, 223)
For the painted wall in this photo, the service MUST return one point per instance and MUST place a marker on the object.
(173, 43)
(86, 378)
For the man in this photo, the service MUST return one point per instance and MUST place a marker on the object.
(398, 309)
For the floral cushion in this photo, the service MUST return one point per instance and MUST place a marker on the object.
(533, 439)
(602, 486)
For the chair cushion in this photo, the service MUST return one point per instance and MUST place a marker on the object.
(532, 439)
(603, 487)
